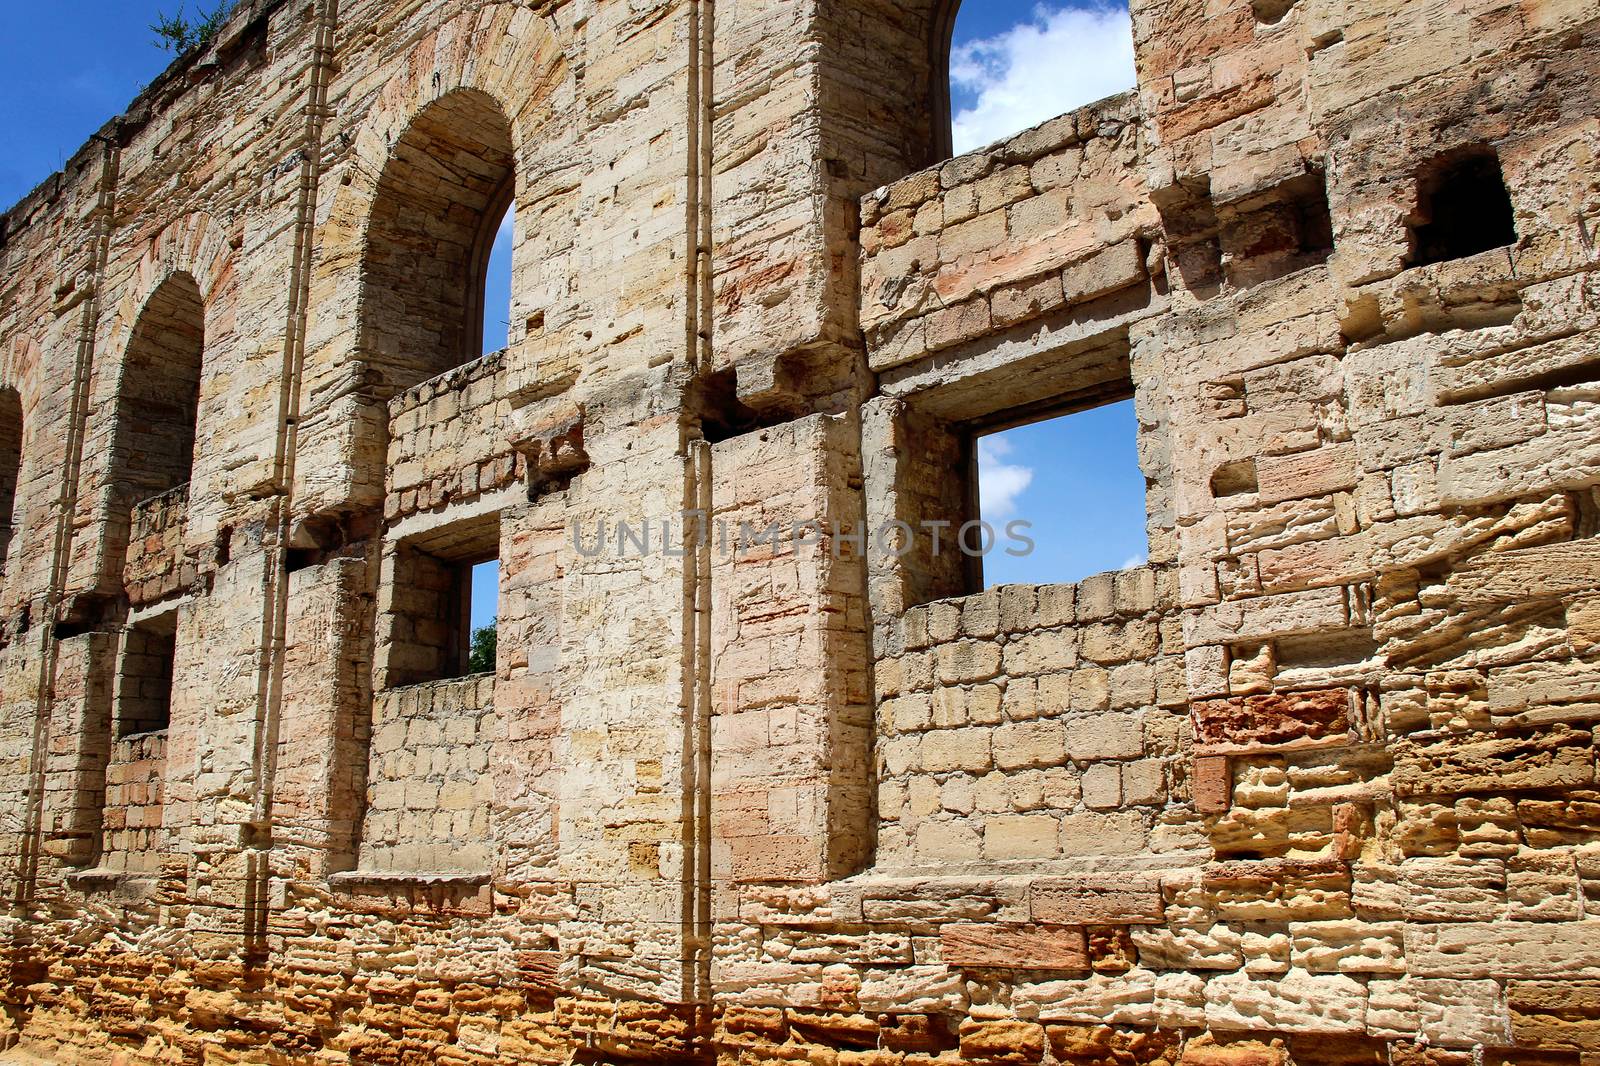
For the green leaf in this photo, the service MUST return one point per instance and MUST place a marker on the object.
(484, 645)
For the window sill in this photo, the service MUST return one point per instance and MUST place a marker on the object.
(149, 734)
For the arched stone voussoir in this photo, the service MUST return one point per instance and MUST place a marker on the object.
(504, 51)
(195, 244)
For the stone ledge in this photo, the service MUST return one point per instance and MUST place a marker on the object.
(1029, 871)
(102, 876)
(406, 878)
(455, 379)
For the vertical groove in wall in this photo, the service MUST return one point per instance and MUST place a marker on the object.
(696, 875)
(66, 505)
(697, 496)
(698, 186)
(276, 537)
(703, 118)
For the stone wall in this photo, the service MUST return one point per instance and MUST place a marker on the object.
(1054, 218)
(429, 798)
(1314, 786)
(1037, 724)
(156, 566)
(134, 778)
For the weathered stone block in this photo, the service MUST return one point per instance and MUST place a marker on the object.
(1099, 900)
(1555, 1014)
(1273, 718)
(1561, 758)
(1017, 947)
(1002, 1041)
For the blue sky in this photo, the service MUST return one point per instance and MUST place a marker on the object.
(485, 593)
(1014, 64)
(1077, 480)
(69, 66)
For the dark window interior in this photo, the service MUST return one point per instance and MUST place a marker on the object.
(144, 699)
(1463, 208)
(10, 464)
(432, 602)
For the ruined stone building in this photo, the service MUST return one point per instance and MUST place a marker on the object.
(1316, 787)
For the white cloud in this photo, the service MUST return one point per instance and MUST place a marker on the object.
(1133, 562)
(999, 483)
(1061, 59)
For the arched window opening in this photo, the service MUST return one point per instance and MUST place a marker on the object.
(1012, 64)
(158, 399)
(497, 284)
(160, 394)
(10, 467)
(441, 200)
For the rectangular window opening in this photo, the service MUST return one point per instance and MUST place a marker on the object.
(468, 607)
(483, 608)
(144, 691)
(1463, 208)
(443, 600)
(1059, 499)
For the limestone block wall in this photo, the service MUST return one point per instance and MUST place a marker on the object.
(157, 566)
(791, 735)
(428, 799)
(1052, 219)
(134, 781)
(1314, 787)
(442, 440)
(1045, 725)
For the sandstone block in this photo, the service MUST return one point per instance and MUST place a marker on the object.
(1028, 744)
(1022, 836)
(956, 325)
(1314, 473)
(1348, 946)
(930, 989)
(1102, 786)
(1090, 833)
(1206, 1052)
(1526, 950)
(1018, 947)
(1272, 718)
(1560, 758)
(967, 662)
(1513, 576)
(1042, 653)
(1097, 900)
(1011, 304)
(1268, 617)
(1108, 644)
(1114, 735)
(1315, 1003)
(956, 749)
(947, 841)
(1115, 268)
(1211, 783)
(1144, 783)
(1002, 1041)
(1555, 1014)
(1444, 1012)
